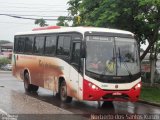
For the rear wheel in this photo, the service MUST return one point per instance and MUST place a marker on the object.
(63, 93)
(27, 86)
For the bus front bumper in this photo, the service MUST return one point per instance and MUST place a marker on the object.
(93, 93)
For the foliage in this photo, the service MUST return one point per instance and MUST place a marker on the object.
(150, 94)
(41, 22)
(138, 16)
(4, 61)
(62, 21)
(74, 11)
(74, 7)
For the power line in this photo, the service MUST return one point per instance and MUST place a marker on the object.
(35, 7)
(29, 18)
(35, 11)
(15, 23)
(29, 15)
(31, 4)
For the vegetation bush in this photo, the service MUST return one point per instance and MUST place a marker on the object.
(4, 61)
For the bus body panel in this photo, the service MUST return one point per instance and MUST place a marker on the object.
(46, 71)
(31, 64)
(54, 69)
(76, 83)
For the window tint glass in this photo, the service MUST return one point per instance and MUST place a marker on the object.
(60, 49)
(15, 44)
(50, 45)
(76, 52)
(29, 41)
(19, 44)
(64, 45)
(39, 45)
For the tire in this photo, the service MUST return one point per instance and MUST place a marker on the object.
(27, 86)
(63, 93)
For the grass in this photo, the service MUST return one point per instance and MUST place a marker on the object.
(150, 94)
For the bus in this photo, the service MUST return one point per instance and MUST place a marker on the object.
(86, 63)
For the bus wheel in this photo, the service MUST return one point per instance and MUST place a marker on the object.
(27, 86)
(63, 93)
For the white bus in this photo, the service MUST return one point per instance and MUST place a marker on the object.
(87, 63)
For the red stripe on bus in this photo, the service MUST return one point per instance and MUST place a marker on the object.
(46, 28)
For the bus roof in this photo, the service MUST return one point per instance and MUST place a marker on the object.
(74, 29)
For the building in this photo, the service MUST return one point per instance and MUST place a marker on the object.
(6, 50)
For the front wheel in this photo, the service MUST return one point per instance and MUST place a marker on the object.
(63, 93)
(27, 86)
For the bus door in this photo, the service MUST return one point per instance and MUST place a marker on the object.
(74, 71)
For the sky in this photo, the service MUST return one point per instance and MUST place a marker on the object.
(28, 8)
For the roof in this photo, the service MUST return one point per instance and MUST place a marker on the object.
(7, 45)
(76, 29)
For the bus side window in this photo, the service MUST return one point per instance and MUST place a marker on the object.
(20, 44)
(16, 44)
(39, 45)
(63, 47)
(76, 53)
(29, 41)
(50, 45)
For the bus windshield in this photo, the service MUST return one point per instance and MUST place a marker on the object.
(113, 56)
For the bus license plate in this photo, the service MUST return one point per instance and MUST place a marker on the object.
(116, 93)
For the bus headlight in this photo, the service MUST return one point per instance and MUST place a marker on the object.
(138, 86)
(94, 87)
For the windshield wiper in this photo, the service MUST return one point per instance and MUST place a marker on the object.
(126, 66)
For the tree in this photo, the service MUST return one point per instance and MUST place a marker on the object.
(41, 22)
(74, 6)
(4, 61)
(62, 21)
(138, 16)
(142, 17)
(153, 59)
